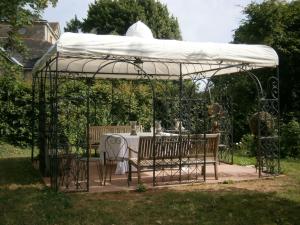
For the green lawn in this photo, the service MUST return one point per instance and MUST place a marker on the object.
(25, 200)
(9, 151)
(243, 160)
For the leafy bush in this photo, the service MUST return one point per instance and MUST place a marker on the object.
(247, 145)
(125, 102)
(290, 139)
(141, 188)
(263, 121)
(15, 107)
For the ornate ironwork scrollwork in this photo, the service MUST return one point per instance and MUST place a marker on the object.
(273, 87)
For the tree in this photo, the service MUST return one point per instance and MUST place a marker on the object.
(15, 105)
(277, 23)
(114, 17)
(74, 25)
(17, 14)
(15, 94)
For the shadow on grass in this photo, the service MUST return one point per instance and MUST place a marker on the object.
(28, 204)
(18, 171)
(232, 207)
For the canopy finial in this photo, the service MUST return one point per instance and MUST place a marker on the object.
(139, 29)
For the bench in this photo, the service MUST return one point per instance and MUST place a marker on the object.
(175, 151)
(95, 133)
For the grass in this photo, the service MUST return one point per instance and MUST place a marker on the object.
(243, 160)
(9, 151)
(25, 200)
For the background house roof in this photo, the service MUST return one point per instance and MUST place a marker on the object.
(9, 58)
(37, 39)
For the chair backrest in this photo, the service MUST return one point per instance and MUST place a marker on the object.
(187, 146)
(118, 129)
(116, 147)
(123, 129)
(166, 147)
(145, 150)
(199, 143)
(95, 133)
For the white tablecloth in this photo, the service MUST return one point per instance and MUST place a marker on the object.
(118, 147)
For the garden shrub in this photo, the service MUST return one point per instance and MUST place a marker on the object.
(263, 121)
(141, 188)
(247, 145)
(290, 139)
(15, 107)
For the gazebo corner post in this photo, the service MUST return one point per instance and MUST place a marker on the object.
(231, 132)
(278, 122)
(259, 147)
(180, 119)
(89, 84)
(56, 163)
(112, 100)
(205, 142)
(41, 140)
(260, 98)
(205, 102)
(33, 115)
(51, 131)
(48, 76)
(42, 123)
(153, 84)
(153, 130)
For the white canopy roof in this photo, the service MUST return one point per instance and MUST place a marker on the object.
(88, 53)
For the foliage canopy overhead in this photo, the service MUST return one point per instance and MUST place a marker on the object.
(20, 13)
(114, 17)
(277, 23)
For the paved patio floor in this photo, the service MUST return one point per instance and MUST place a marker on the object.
(227, 173)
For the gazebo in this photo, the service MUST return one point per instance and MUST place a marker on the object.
(179, 75)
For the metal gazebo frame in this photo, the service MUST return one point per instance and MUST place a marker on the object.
(191, 110)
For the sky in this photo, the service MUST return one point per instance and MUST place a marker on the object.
(199, 20)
